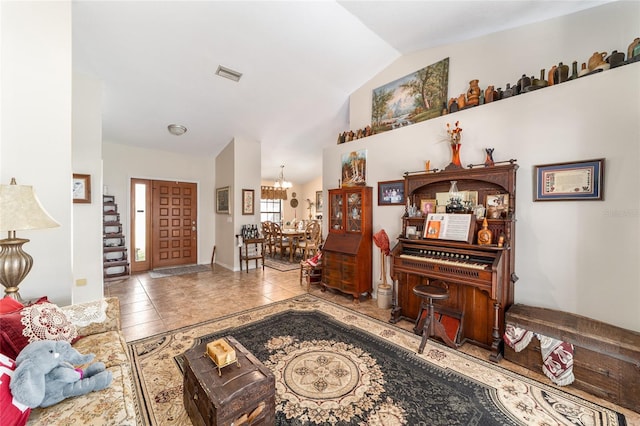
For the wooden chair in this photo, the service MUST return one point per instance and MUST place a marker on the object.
(311, 271)
(312, 240)
(268, 236)
(280, 242)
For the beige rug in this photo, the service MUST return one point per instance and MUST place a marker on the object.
(282, 265)
(461, 389)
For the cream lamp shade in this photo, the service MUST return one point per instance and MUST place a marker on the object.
(19, 210)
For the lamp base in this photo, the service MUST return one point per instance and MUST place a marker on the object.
(15, 265)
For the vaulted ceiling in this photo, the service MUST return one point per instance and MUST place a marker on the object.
(300, 61)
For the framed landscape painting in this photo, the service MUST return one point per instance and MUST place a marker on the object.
(354, 168)
(413, 98)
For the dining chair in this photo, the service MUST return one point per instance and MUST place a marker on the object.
(281, 242)
(268, 236)
(312, 239)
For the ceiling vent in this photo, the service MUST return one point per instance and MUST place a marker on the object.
(228, 73)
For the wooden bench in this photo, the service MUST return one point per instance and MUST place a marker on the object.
(606, 360)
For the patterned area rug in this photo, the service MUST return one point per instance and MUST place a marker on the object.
(180, 270)
(335, 366)
(282, 265)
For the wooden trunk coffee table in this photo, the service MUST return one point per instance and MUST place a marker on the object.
(242, 394)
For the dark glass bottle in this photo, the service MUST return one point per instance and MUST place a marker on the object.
(574, 70)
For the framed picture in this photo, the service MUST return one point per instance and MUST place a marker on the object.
(413, 98)
(427, 206)
(499, 201)
(497, 206)
(247, 201)
(583, 180)
(319, 202)
(222, 200)
(81, 188)
(411, 232)
(391, 193)
(354, 168)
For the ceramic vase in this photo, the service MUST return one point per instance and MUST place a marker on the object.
(473, 94)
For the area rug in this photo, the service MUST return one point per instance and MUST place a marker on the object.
(179, 270)
(281, 264)
(335, 366)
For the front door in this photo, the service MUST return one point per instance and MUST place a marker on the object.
(174, 218)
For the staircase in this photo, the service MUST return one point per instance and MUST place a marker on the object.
(115, 260)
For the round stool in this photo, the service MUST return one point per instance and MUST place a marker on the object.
(431, 327)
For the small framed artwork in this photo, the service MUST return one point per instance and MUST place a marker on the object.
(499, 201)
(497, 206)
(391, 193)
(427, 206)
(583, 180)
(411, 232)
(247, 201)
(222, 200)
(319, 202)
(81, 188)
(354, 168)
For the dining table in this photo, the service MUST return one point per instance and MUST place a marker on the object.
(294, 234)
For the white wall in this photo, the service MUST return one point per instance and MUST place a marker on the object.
(309, 192)
(35, 143)
(87, 218)
(121, 163)
(226, 252)
(247, 159)
(580, 257)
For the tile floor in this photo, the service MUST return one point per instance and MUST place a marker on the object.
(151, 306)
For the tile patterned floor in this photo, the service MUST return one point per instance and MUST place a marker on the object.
(151, 306)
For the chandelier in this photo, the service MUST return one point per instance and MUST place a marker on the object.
(280, 182)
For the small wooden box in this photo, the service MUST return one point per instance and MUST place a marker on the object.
(606, 359)
(245, 392)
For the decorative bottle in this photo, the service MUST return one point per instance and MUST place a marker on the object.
(485, 235)
(574, 70)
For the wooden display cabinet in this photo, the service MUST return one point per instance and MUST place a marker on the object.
(348, 249)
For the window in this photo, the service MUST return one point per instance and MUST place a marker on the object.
(271, 210)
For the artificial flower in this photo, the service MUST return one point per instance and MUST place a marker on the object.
(454, 134)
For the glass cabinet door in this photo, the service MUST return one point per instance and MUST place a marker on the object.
(354, 212)
(335, 220)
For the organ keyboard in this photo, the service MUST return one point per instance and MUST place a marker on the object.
(474, 276)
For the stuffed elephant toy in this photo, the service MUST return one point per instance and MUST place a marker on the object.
(45, 374)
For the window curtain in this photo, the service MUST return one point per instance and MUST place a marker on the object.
(271, 193)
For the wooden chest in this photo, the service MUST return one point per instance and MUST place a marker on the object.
(240, 395)
(606, 359)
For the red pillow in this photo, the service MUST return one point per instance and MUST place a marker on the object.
(9, 304)
(40, 321)
(13, 413)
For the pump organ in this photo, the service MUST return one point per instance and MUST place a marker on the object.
(480, 278)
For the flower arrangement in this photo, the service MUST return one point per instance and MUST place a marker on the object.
(454, 134)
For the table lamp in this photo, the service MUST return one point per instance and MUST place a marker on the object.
(19, 210)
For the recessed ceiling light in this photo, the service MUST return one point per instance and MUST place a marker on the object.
(228, 73)
(177, 129)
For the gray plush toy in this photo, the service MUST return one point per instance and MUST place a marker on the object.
(45, 374)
